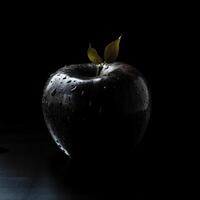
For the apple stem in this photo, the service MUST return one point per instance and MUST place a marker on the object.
(99, 68)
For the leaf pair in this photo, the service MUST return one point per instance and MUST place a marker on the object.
(111, 52)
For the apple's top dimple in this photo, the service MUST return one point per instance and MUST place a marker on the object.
(80, 71)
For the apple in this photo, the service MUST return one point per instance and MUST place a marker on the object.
(96, 111)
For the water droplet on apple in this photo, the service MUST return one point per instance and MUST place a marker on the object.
(53, 93)
(56, 141)
(82, 93)
(74, 88)
(61, 147)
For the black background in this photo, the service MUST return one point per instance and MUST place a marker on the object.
(36, 41)
(34, 45)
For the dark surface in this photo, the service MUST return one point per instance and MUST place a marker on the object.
(33, 168)
(28, 170)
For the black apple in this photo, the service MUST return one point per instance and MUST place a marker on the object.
(96, 111)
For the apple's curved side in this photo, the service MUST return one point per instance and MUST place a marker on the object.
(145, 100)
(45, 104)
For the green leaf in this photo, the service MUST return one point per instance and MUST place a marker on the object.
(93, 55)
(111, 51)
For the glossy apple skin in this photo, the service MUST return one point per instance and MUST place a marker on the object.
(96, 116)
